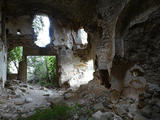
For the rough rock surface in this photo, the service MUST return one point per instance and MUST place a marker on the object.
(141, 41)
(16, 102)
(21, 100)
(103, 108)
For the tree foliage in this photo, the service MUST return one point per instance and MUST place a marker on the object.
(38, 24)
(15, 56)
(42, 69)
(51, 64)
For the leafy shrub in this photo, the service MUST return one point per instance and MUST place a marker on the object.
(58, 112)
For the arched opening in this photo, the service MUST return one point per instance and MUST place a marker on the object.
(41, 26)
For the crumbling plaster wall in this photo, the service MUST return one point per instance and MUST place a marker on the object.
(19, 31)
(103, 37)
(142, 44)
(137, 39)
(65, 43)
(3, 63)
(62, 36)
(73, 70)
(115, 27)
(3, 52)
(19, 23)
(116, 37)
(108, 11)
(71, 67)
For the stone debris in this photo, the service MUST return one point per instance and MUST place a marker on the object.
(68, 95)
(147, 107)
(28, 100)
(106, 116)
(97, 115)
(98, 106)
(90, 97)
(21, 100)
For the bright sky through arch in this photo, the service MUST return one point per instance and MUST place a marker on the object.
(43, 37)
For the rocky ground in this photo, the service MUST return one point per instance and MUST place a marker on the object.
(97, 99)
(21, 100)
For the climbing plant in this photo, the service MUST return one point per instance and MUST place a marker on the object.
(51, 65)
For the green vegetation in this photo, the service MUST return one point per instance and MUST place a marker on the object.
(80, 111)
(38, 24)
(15, 56)
(42, 70)
(59, 112)
(51, 65)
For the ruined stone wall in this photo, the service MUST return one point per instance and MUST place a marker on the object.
(66, 44)
(136, 51)
(19, 31)
(3, 63)
(103, 37)
(62, 36)
(22, 24)
(71, 68)
(137, 36)
(108, 11)
(3, 52)
(142, 44)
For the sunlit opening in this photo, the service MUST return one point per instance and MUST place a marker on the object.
(83, 36)
(41, 25)
(14, 58)
(19, 32)
(41, 69)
